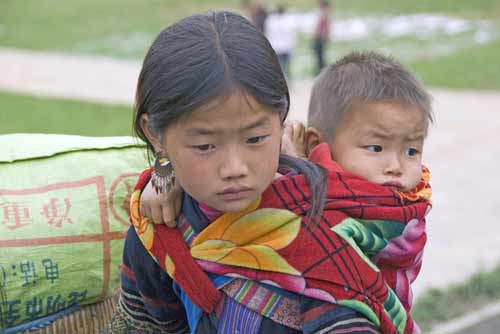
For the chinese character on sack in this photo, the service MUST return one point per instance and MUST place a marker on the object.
(75, 298)
(34, 308)
(57, 214)
(28, 270)
(55, 304)
(15, 215)
(11, 311)
(51, 270)
(126, 202)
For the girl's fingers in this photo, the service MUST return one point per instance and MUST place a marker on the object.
(144, 210)
(146, 200)
(156, 213)
(169, 214)
(172, 205)
(293, 141)
(286, 141)
(299, 131)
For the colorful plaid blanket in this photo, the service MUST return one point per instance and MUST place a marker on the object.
(362, 253)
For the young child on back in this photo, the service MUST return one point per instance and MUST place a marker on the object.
(373, 116)
(266, 243)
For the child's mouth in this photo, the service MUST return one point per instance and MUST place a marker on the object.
(394, 185)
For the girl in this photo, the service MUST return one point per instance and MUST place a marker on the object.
(252, 253)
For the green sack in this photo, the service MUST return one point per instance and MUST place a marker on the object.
(64, 204)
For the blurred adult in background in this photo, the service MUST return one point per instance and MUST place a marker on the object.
(321, 34)
(281, 33)
(259, 17)
(256, 13)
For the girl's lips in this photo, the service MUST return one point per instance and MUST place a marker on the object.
(231, 194)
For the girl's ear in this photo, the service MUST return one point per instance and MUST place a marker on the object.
(313, 138)
(153, 138)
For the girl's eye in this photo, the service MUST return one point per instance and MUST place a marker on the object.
(205, 147)
(411, 152)
(255, 140)
(374, 148)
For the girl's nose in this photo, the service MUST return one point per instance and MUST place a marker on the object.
(234, 166)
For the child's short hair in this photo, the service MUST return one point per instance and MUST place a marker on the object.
(362, 77)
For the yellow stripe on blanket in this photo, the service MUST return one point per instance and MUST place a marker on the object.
(249, 240)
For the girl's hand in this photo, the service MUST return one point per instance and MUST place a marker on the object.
(294, 141)
(161, 208)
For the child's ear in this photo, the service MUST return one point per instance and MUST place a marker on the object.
(313, 138)
(153, 138)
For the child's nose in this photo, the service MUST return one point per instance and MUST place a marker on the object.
(394, 165)
(234, 166)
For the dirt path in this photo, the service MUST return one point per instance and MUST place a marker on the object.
(462, 152)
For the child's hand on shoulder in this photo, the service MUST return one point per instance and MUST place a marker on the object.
(294, 140)
(161, 208)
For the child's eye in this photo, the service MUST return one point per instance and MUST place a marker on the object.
(256, 139)
(411, 152)
(374, 148)
(204, 148)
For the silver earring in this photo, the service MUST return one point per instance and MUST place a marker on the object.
(163, 175)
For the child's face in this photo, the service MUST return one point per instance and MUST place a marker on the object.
(226, 153)
(382, 142)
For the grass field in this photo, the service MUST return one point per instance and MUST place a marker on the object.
(440, 305)
(62, 26)
(26, 114)
(125, 28)
(472, 68)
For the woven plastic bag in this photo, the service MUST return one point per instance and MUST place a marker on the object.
(64, 204)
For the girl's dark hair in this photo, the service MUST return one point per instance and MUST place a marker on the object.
(203, 57)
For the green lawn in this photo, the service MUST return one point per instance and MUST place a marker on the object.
(21, 113)
(474, 67)
(65, 25)
(471, 67)
(440, 305)
(125, 28)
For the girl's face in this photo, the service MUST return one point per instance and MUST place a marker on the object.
(225, 154)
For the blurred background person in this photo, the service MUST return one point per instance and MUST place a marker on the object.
(259, 17)
(321, 34)
(281, 33)
(256, 13)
